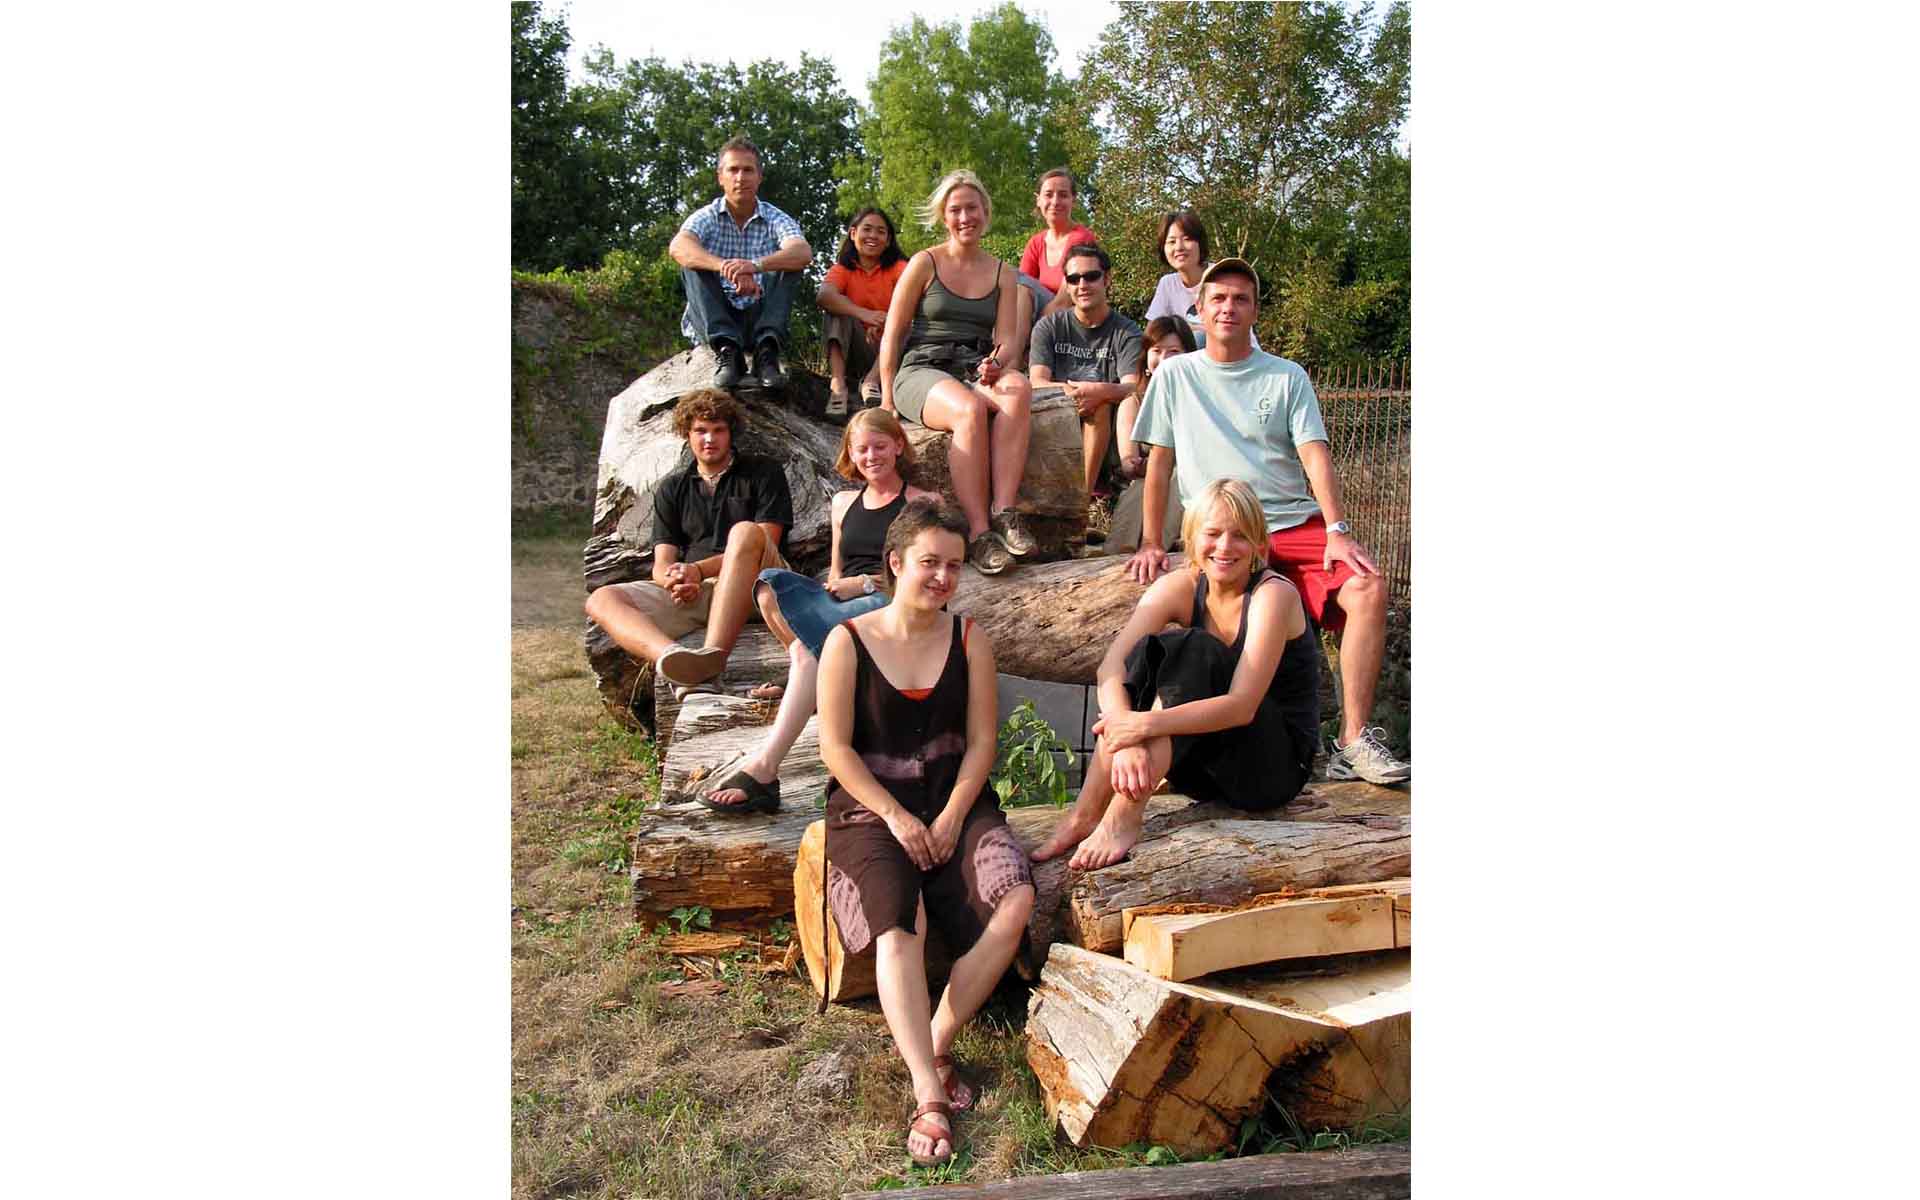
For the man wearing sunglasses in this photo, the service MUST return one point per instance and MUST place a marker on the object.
(1091, 351)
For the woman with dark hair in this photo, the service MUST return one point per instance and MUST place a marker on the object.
(801, 612)
(1045, 257)
(907, 728)
(1164, 338)
(1184, 247)
(858, 288)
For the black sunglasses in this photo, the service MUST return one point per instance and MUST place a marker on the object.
(1089, 276)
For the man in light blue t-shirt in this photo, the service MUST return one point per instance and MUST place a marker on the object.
(1233, 411)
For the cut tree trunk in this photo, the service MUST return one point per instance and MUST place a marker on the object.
(1124, 1057)
(1230, 860)
(1053, 622)
(1356, 1173)
(1186, 941)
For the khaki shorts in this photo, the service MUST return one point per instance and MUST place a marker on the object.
(678, 620)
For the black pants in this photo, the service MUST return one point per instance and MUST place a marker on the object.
(714, 316)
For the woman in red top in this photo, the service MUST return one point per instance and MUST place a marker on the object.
(856, 293)
(1045, 257)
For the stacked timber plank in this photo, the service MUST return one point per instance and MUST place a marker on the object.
(1231, 957)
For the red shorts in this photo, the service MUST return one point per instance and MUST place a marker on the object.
(1297, 553)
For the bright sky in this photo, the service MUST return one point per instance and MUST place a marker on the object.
(747, 30)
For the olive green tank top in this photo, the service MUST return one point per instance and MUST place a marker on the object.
(946, 317)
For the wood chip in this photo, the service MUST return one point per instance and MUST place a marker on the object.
(683, 944)
(694, 987)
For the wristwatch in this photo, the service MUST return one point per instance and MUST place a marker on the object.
(866, 585)
(1340, 527)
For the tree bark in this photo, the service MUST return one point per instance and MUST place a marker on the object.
(1230, 860)
(1124, 1057)
(1053, 622)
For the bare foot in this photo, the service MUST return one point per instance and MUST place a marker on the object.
(1068, 834)
(1117, 833)
(766, 691)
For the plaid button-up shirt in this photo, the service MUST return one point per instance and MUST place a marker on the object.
(766, 230)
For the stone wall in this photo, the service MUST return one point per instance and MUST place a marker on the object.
(569, 360)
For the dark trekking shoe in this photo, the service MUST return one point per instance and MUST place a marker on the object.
(727, 376)
(766, 364)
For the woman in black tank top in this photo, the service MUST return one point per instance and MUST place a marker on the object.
(1225, 708)
(801, 612)
(914, 835)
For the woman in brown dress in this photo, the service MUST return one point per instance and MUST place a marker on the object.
(907, 728)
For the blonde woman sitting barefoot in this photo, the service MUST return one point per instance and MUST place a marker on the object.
(1225, 708)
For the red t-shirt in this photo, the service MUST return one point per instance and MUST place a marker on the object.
(869, 289)
(1034, 260)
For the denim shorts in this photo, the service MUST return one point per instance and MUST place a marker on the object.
(810, 609)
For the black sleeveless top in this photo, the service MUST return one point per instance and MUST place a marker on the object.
(913, 747)
(1295, 687)
(863, 534)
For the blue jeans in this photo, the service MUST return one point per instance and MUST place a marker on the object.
(810, 609)
(712, 315)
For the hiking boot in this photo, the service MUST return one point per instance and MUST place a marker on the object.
(766, 365)
(870, 393)
(1367, 757)
(987, 555)
(727, 375)
(1012, 528)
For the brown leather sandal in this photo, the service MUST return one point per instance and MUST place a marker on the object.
(959, 1091)
(931, 1132)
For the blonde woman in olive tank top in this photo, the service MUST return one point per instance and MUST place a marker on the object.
(951, 329)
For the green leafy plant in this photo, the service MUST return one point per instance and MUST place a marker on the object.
(781, 931)
(1026, 771)
(699, 915)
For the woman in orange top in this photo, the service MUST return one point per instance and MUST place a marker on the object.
(1045, 257)
(858, 289)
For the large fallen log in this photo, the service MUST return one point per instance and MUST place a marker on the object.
(1358, 1173)
(1230, 860)
(1053, 622)
(1124, 1057)
(1186, 941)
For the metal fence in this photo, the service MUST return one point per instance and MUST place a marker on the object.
(1368, 410)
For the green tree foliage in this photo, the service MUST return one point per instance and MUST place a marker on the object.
(617, 162)
(672, 120)
(1276, 122)
(984, 97)
(568, 203)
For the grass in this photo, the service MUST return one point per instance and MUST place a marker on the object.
(618, 1090)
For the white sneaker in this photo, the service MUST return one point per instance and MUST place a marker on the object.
(1367, 757)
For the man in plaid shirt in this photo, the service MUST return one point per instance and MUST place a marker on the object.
(740, 259)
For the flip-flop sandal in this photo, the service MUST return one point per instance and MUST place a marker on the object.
(960, 1093)
(933, 1133)
(761, 797)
